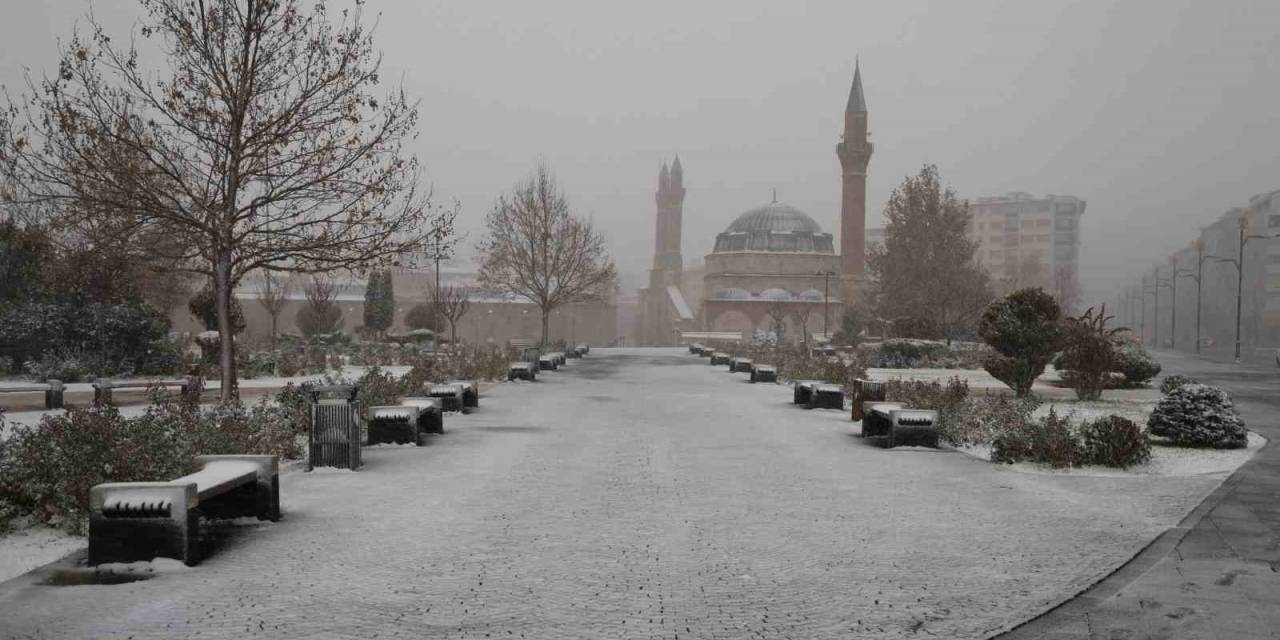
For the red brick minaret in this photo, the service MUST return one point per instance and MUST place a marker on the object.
(854, 152)
(670, 201)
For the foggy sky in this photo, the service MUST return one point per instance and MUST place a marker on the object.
(1161, 114)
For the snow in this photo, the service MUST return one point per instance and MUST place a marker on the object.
(27, 548)
(1166, 461)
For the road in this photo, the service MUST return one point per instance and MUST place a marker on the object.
(638, 494)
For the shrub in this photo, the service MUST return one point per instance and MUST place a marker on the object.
(1197, 415)
(205, 308)
(1113, 441)
(1174, 381)
(906, 354)
(106, 339)
(1135, 364)
(1047, 441)
(314, 322)
(67, 367)
(1025, 330)
(423, 316)
(1088, 353)
(46, 470)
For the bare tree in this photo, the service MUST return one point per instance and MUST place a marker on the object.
(321, 315)
(802, 311)
(536, 248)
(778, 312)
(260, 144)
(273, 295)
(452, 302)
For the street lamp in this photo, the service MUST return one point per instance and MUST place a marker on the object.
(1165, 282)
(1238, 261)
(1201, 258)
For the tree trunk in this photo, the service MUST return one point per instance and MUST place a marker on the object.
(453, 331)
(546, 318)
(226, 337)
(274, 344)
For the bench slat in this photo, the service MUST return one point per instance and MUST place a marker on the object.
(219, 477)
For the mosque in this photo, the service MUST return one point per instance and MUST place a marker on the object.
(773, 264)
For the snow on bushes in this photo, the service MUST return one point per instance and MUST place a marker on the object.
(1113, 441)
(1197, 415)
(1135, 364)
(1048, 440)
(1174, 381)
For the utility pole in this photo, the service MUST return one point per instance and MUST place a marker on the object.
(1173, 302)
(826, 303)
(1238, 261)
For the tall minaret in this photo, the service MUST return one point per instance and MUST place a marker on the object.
(854, 152)
(670, 200)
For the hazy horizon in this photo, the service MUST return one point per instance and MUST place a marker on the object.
(1162, 115)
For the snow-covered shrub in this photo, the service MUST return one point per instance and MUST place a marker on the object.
(6, 366)
(1174, 381)
(1088, 353)
(67, 367)
(1135, 364)
(1048, 441)
(908, 354)
(1113, 441)
(1197, 415)
(983, 418)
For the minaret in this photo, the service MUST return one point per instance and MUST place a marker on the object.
(670, 201)
(854, 151)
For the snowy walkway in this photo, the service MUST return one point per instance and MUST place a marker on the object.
(639, 493)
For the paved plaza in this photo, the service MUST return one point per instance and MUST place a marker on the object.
(639, 494)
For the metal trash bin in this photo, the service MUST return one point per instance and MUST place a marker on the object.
(334, 438)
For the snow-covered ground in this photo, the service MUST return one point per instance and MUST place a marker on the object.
(26, 548)
(642, 491)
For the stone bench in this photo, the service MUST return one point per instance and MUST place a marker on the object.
(719, 358)
(53, 391)
(452, 396)
(138, 521)
(801, 390)
(559, 357)
(912, 427)
(695, 348)
(430, 414)
(548, 363)
(865, 391)
(740, 365)
(522, 371)
(584, 348)
(826, 396)
(190, 387)
(394, 425)
(470, 393)
(764, 373)
(877, 417)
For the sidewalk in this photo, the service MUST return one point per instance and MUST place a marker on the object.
(1217, 574)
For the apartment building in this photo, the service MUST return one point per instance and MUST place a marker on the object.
(1029, 241)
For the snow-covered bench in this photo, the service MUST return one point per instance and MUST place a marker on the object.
(719, 358)
(53, 391)
(470, 392)
(430, 413)
(912, 427)
(584, 348)
(522, 371)
(452, 396)
(695, 348)
(826, 396)
(876, 417)
(132, 521)
(865, 391)
(394, 425)
(548, 362)
(740, 365)
(764, 373)
(802, 390)
(190, 387)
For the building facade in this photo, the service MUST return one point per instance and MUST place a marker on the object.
(773, 270)
(1027, 241)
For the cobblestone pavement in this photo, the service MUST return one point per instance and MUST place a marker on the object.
(639, 494)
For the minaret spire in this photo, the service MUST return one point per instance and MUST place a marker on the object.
(857, 101)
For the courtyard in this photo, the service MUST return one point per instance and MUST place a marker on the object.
(638, 493)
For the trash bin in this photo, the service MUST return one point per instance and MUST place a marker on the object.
(334, 438)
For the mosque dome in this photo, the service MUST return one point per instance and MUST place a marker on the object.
(774, 227)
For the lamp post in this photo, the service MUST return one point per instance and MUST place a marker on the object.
(1238, 261)
(1198, 276)
(1171, 282)
(1142, 307)
(826, 302)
